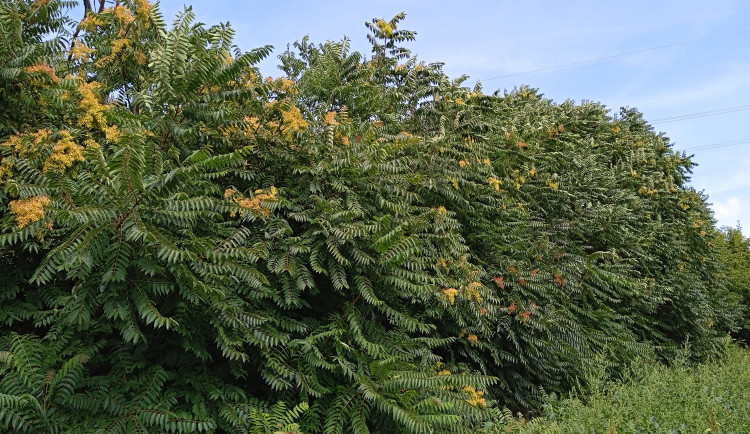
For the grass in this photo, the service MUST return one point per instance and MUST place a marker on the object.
(654, 398)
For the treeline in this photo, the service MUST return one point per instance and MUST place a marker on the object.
(360, 245)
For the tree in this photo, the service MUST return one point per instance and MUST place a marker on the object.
(734, 248)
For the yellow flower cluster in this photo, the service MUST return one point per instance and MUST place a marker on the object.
(93, 110)
(495, 183)
(454, 182)
(255, 202)
(80, 52)
(472, 291)
(118, 46)
(450, 294)
(28, 210)
(441, 210)
(330, 119)
(6, 170)
(553, 185)
(287, 86)
(142, 10)
(91, 144)
(475, 397)
(384, 27)
(463, 163)
(252, 125)
(472, 338)
(43, 68)
(112, 133)
(122, 14)
(91, 22)
(64, 154)
(444, 372)
(293, 120)
(22, 147)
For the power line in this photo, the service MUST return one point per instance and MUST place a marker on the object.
(613, 56)
(701, 114)
(737, 169)
(718, 145)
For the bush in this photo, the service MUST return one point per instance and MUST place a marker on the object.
(654, 398)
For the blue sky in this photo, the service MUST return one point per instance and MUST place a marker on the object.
(488, 39)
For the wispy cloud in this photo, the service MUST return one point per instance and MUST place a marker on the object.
(731, 211)
(702, 90)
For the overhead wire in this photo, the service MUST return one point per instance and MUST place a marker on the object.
(613, 56)
(688, 116)
(677, 118)
(735, 170)
(717, 145)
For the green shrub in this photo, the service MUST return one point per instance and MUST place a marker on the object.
(654, 398)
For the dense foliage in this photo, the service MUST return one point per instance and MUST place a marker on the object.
(361, 245)
(653, 398)
(734, 249)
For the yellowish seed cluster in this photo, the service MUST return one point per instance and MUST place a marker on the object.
(93, 110)
(80, 52)
(255, 202)
(330, 119)
(293, 120)
(472, 291)
(64, 154)
(43, 68)
(6, 170)
(112, 133)
(21, 147)
(252, 125)
(122, 14)
(450, 294)
(384, 27)
(286, 85)
(142, 10)
(29, 210)
(91, 22)
(118, 46)
(495, 183)
(475, 397)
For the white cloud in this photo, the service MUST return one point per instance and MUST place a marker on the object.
(730, 211)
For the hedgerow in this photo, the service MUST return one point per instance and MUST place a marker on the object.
(362, 244)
